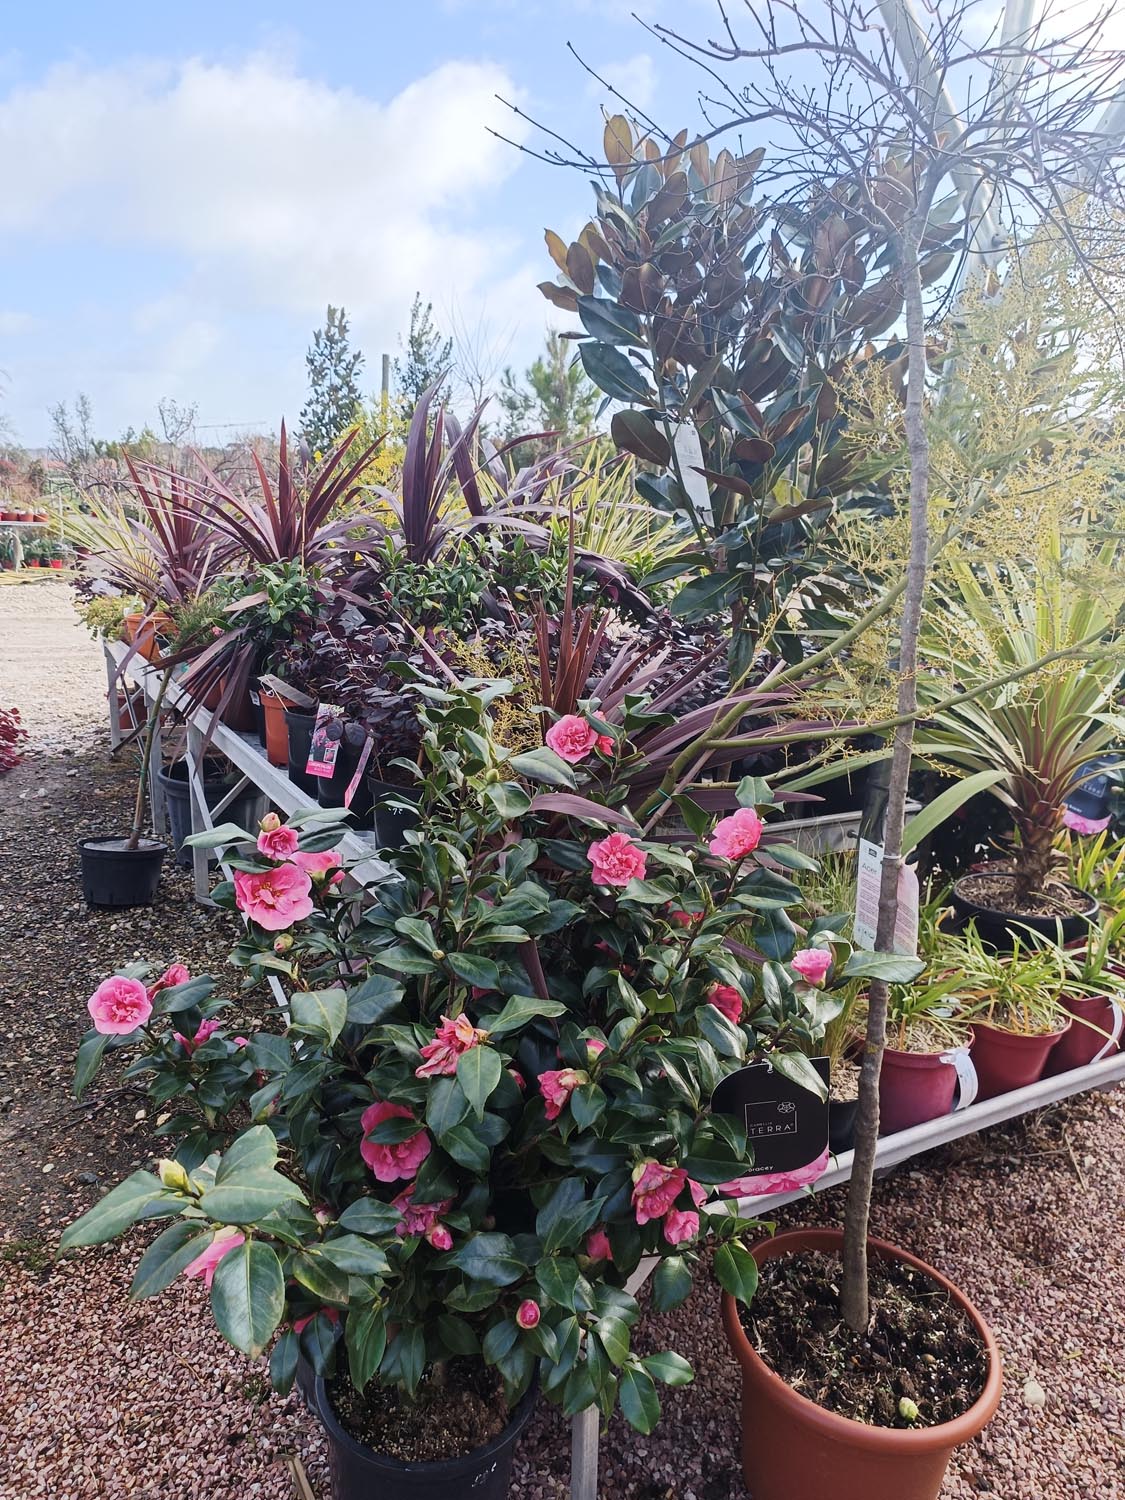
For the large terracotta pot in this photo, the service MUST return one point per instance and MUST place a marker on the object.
(1005, 1060)
(142, 633)
(1081, 1044)
(793, 1449)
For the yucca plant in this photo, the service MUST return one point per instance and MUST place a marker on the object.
(993, 619)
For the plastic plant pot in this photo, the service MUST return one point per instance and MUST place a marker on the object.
(114, 875)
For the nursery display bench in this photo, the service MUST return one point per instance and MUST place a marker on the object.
(245, 754)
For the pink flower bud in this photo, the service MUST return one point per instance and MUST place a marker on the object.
(528, 1314)
(439, 1237)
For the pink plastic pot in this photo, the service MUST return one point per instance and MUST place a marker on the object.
(1005, 1061)
(914, 1086)
(1081, 1044)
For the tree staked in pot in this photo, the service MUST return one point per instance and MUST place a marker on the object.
(889, 177)
(489, 1121)
(126, 871)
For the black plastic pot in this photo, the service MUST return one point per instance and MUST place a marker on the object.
(841, 1124)
(301, 727)
(998, 928)
(113, 875)
(247, 809)
(330, 790)
(359, 1473)
(391, 823)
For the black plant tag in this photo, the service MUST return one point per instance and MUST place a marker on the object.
(786, 1125)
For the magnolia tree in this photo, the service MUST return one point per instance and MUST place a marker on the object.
(492, 1095)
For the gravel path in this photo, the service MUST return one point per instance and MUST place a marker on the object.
(103, 1398)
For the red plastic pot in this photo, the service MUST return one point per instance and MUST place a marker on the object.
(1081, 1044)
(33, 562)
(914, 1086)
(1005, 1061)
(56, 563)
(793, 1449)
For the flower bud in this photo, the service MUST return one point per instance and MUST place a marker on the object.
(172, 1175)
(437, 954)
(283, 943)
(439, 1237)
(908, 1410)
(270, 823)
(528, 1314)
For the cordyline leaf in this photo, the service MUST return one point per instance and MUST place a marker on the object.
(569, 804)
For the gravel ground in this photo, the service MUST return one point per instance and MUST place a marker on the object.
(103, 1398)
(62, 703)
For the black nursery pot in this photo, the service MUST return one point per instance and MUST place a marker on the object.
(301, 727)
(359, 1473)
(330, 790)
(998, 928)
(113, 875)
(842, 1115)
(247, 809)
(391, 823)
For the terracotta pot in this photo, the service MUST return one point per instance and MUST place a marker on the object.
(914, 1086)
(142, 633)
(1081, 1044)
(277, 731)
(41, 516)
(24, 515)
(1005, 1061)
(793, 1449)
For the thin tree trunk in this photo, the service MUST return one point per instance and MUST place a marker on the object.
(146, 763)
(855, 1301)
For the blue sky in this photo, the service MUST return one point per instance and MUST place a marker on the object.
(186, 188)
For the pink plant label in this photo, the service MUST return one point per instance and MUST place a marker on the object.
(325, 744)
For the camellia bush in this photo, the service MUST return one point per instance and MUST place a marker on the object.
(491, 1097)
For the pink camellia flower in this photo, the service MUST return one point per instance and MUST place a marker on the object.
(417, 1218)
(202, 1268)
(736, 836)
(279, 841)
(680, 1225)
(557, 1085)
(776, 1182)
(452, 1040)
(276, 898)
(1078, 824)
(174, 974)
(616, 860)
(572, 738)
(528, 1314)
(439, 1237)
(812, 964)
(725, 998)
(119, 1005)
(331, 1313)
(598, 1246)
(684, 918)
(391, 1162)
(518, 1079)
(206, 1029)
(606, 744)
(317, 864)
(241, 1041)
(655, 1189)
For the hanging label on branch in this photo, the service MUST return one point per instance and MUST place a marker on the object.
(786, 1125)
(869, 875)
(324, 747)
(364, 757)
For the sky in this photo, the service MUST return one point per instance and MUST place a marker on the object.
(186, 188)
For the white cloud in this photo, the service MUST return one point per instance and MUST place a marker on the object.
(266, 190)
(634, 77)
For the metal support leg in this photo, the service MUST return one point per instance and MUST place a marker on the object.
(200, 812)
(156, 798)
(111, 698)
